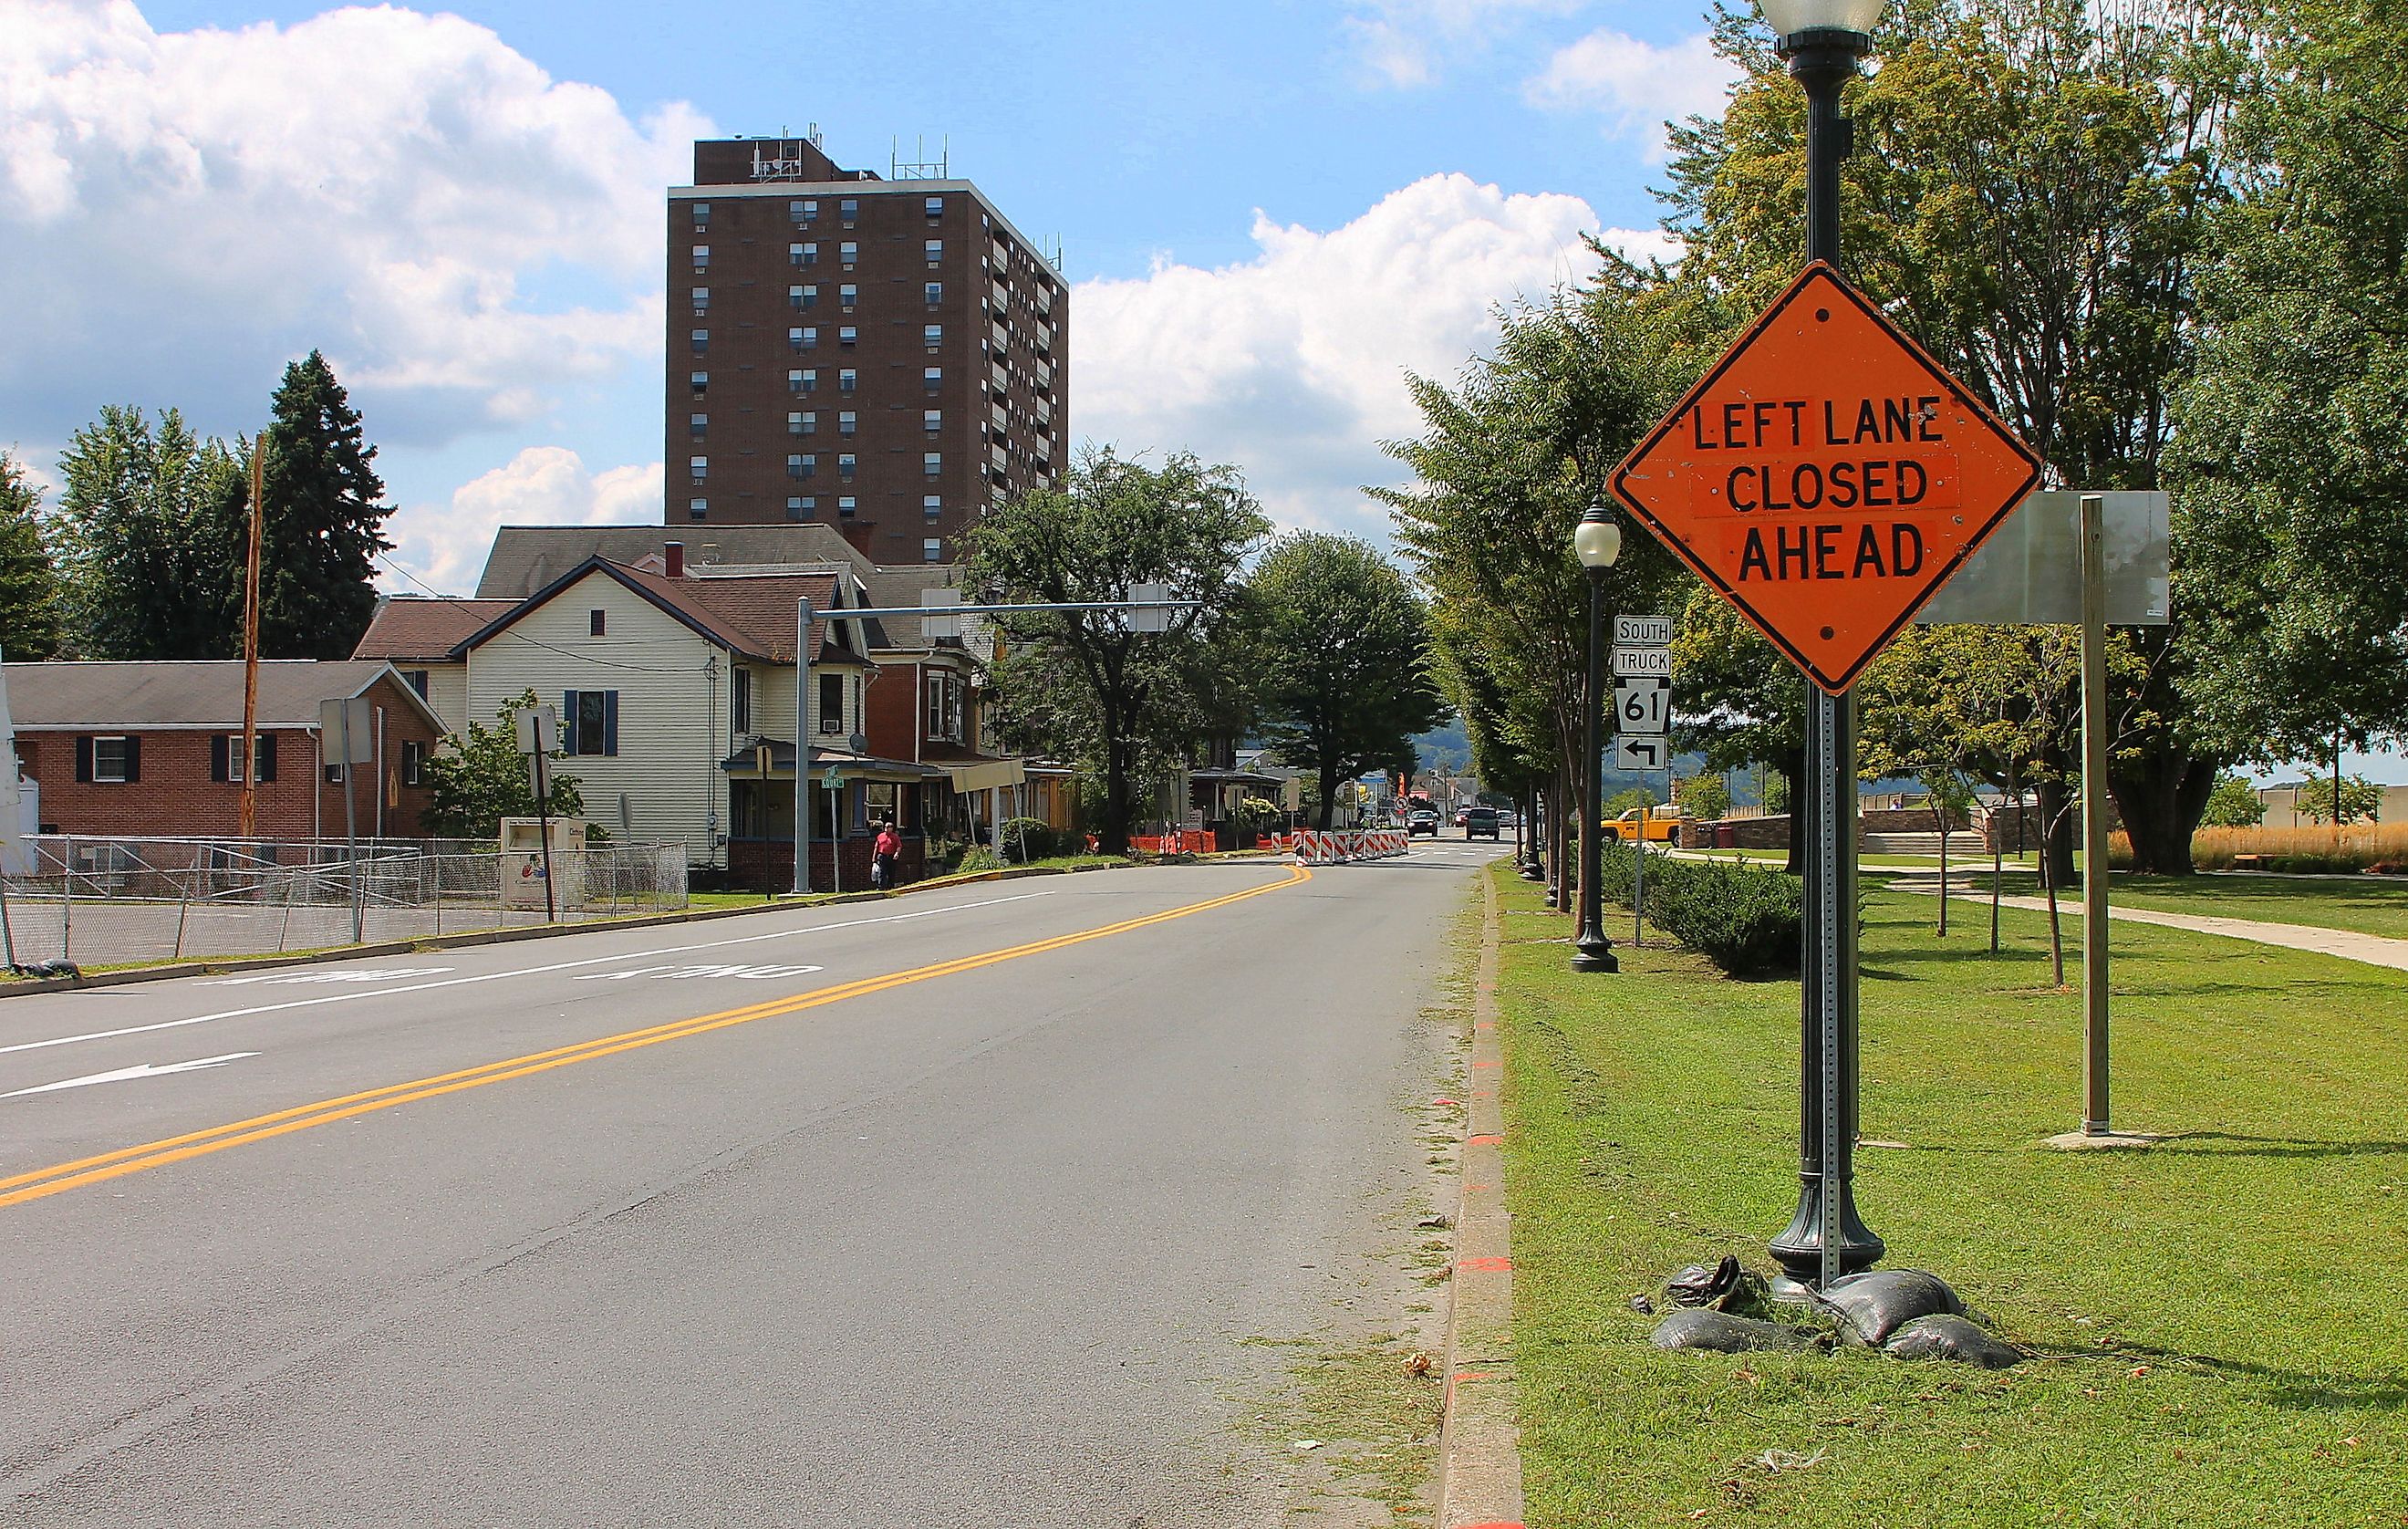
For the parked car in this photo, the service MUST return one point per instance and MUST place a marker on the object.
(1481, 822)
(1461, 815)
(1662, 827)
(1421, 820)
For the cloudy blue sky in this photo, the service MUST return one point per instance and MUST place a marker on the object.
(1271, 211)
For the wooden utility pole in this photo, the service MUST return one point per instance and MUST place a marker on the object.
(249, 825)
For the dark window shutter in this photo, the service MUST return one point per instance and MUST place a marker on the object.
(569, 722)
(83, 758)
(267, 756)
(133, 759)
(611, 722)
(218, 752)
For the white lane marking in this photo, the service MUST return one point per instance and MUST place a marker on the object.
(305, 978)
(517, 971)
(122, 1073)
(679, 974)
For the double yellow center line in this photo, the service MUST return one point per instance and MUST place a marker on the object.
(60, 1177)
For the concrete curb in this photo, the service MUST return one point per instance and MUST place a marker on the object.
(1480, 1457)
(220, 966)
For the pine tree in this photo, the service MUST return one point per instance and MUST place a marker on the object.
(324, 520)
(29, 585)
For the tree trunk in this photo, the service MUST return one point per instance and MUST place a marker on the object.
(1943, 870)
(1115, 838)
(2056, 832)
(1791, 767)
(2161, 796)
(1328, 795)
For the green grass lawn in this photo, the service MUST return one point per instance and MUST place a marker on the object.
(2217, 1320)
(2367, 904)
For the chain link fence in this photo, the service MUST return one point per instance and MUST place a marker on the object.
(105, 901)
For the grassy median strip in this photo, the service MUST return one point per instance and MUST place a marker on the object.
(2216, 1319)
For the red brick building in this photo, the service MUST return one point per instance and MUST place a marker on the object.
(156, 749)
(886, 356)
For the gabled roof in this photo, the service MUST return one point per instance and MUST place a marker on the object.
(753, 617)
(192, 693)
(413, 626)
(527, 558)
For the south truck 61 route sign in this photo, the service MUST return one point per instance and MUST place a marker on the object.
(1827, 477)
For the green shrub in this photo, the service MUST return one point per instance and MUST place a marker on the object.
(976, 858)
(1027, 838)
(1747, 919)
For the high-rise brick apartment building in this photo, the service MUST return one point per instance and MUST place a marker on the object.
(886, 355)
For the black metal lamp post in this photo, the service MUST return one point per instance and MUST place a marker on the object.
(1596, 542)
(1823, 41)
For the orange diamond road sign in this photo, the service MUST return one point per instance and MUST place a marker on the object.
(1827, 477)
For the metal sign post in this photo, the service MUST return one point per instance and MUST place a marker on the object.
(803, 615)
(1643, 719)
(2094, 817)
(539, 735)
(346, 729)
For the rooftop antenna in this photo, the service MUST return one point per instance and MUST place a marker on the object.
(922, 167)
(816, 142)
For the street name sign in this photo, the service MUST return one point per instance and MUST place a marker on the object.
(1825, 477)
(1643, 705)
(1636, 753)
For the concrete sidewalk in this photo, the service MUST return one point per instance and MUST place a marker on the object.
(2373, 949)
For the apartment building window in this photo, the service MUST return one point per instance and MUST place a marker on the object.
(697, 425)
(596, 623)
(804, 337)
(847, 336)
(802, 298)
(932, 464)
(701, 302)
(932, 336)
(803, 211)
(849, 253)
(697, 509)
(845, 505)
(936, 249)
(848, 297)
(932, 378)
(933, 293)
(849, 209)
(225, 756)
(848, 381)
(845, 466)
(803, 465)
(802, 255)
(936, 207)
(701, 258)
(847, 421)
(701, 341)
(931, 506)
(701, 383)
(803, 422)
(831, 707)
(802, 381)
(701, 216)
(932, 551)
(589, 722)
(802, 507)
(932, 420)
(698, 467)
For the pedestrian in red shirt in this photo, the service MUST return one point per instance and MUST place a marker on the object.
(883, 853)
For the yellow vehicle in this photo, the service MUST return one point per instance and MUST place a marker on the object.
(1645, 824)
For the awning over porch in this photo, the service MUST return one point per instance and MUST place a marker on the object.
(779, 759)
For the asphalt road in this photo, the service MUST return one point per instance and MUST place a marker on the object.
(958, 1209)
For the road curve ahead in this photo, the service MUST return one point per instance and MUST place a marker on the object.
(957, 1209)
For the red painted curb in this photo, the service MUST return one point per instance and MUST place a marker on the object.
(1484, 1264)
(1490, 1140)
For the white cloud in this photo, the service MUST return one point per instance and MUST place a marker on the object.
(182, 212)
(543, 485)
(1401, 41)
(1293, 364)
(1637, 86)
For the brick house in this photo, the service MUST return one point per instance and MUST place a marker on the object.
(155, 749)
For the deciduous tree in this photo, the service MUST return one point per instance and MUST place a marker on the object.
(148, 526)
(480, 778)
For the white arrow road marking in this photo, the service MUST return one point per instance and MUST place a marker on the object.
(146, 1070)
(359, 993)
